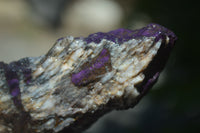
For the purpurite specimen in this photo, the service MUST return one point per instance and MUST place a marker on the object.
(80, 79)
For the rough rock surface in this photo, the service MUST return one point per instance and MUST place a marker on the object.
(80, 79)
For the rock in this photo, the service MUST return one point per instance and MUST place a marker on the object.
(80, 79)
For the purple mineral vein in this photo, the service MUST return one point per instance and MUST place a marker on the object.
(13, 83)
(78, 77)
(13, 72)
(14, 87)
(15, 92)
(123, 35)
(81, 77)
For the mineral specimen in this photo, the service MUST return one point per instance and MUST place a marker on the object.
(80, 79)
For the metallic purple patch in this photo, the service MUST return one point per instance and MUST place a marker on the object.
(91, 70)
(123, 35)
(14, 87)
(12, 74)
